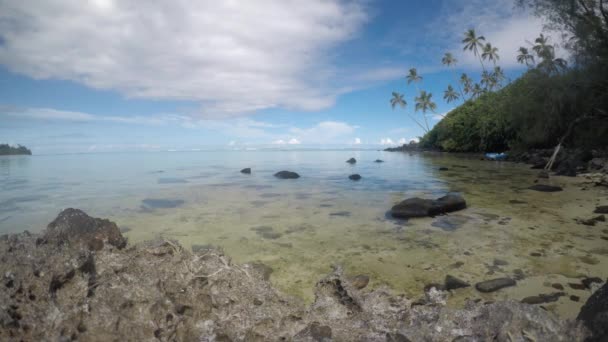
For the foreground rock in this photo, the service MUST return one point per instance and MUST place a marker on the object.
(494, 284)
(594, 314)
(246, 171)
(603, 209)
(160, 291)
(286, 175)
(73, 226)
(418, 207)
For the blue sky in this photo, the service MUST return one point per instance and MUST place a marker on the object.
(108, 75)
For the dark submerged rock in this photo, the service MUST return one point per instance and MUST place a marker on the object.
(418, 207)
(352, 161)
(360, 281)
(453, 283)
(443, 169)
(602, 209)
(355, 177)
(545, 188)
(246, 171)
(161, 203)
(494, 284)
(75, 226)
(543, 298)
(287, 175)
(379, 161)
(594, 314)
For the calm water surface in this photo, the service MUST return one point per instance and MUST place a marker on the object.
(301, 227)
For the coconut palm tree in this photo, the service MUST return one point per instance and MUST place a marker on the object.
(398, 101)
(543, 49)
(498, 75)
(525, 57)
(486, 80)
(467, 83)
(450, 94)
(449, 60)
(472, 42)
(490, 53)
(425, 102)
(413, 77)
(477, 90)
(553, 66)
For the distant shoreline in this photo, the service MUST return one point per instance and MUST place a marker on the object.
(7, 150)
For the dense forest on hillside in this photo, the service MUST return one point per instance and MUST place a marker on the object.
(557, 101)
(6, 150)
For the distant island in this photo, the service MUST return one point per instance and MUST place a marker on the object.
(7, 150)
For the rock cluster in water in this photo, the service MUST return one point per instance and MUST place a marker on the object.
(418, 207)
(55, 287)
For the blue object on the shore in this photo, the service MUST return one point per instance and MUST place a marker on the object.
(496, 156)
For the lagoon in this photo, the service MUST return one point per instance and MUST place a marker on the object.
(300, 228)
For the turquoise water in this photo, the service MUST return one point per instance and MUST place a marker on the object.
(301, 227)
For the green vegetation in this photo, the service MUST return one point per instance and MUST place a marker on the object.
(6, 150)
(551, 104)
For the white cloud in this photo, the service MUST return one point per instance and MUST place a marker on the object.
(386, 141)
(323, 132)
(293, 141)
(232, 57)
(402, 141)
(357, 141)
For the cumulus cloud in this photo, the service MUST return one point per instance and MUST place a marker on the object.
(357, 141)
(232, 57)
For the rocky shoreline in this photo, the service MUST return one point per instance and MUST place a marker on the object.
(81, 280)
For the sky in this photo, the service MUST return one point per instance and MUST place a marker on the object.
(81, 76)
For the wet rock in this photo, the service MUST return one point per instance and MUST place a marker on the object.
(603, 209)
(286, 175)
(354, 177)
(545, 188)
(594, 314)
(575, 298)
(418, 207)
(203, 248)
(264, 270)
(543, 298)
(246, 171)
(453, 283)
(450, 222)
(589, 281)
(597, 164)
(352, 161)
(517, 202)
(379, 161)
(577, 286)
(396, 337)
(360, 281)
(557, 286)
(75, 226)
(443, 169)
(341, 213)
(494, 284)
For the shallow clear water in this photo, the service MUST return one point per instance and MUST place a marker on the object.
(301, 227)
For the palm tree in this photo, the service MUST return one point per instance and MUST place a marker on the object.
(498, 75)
(525, 57)
(543, 49)
(486, 80)
(449, 60)
(472, 43)
(450, 95)
(477, 90)
(398, 101)
(553, 66)
(413, 77)
(425, 102)
(490, 53)
(467, 83)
